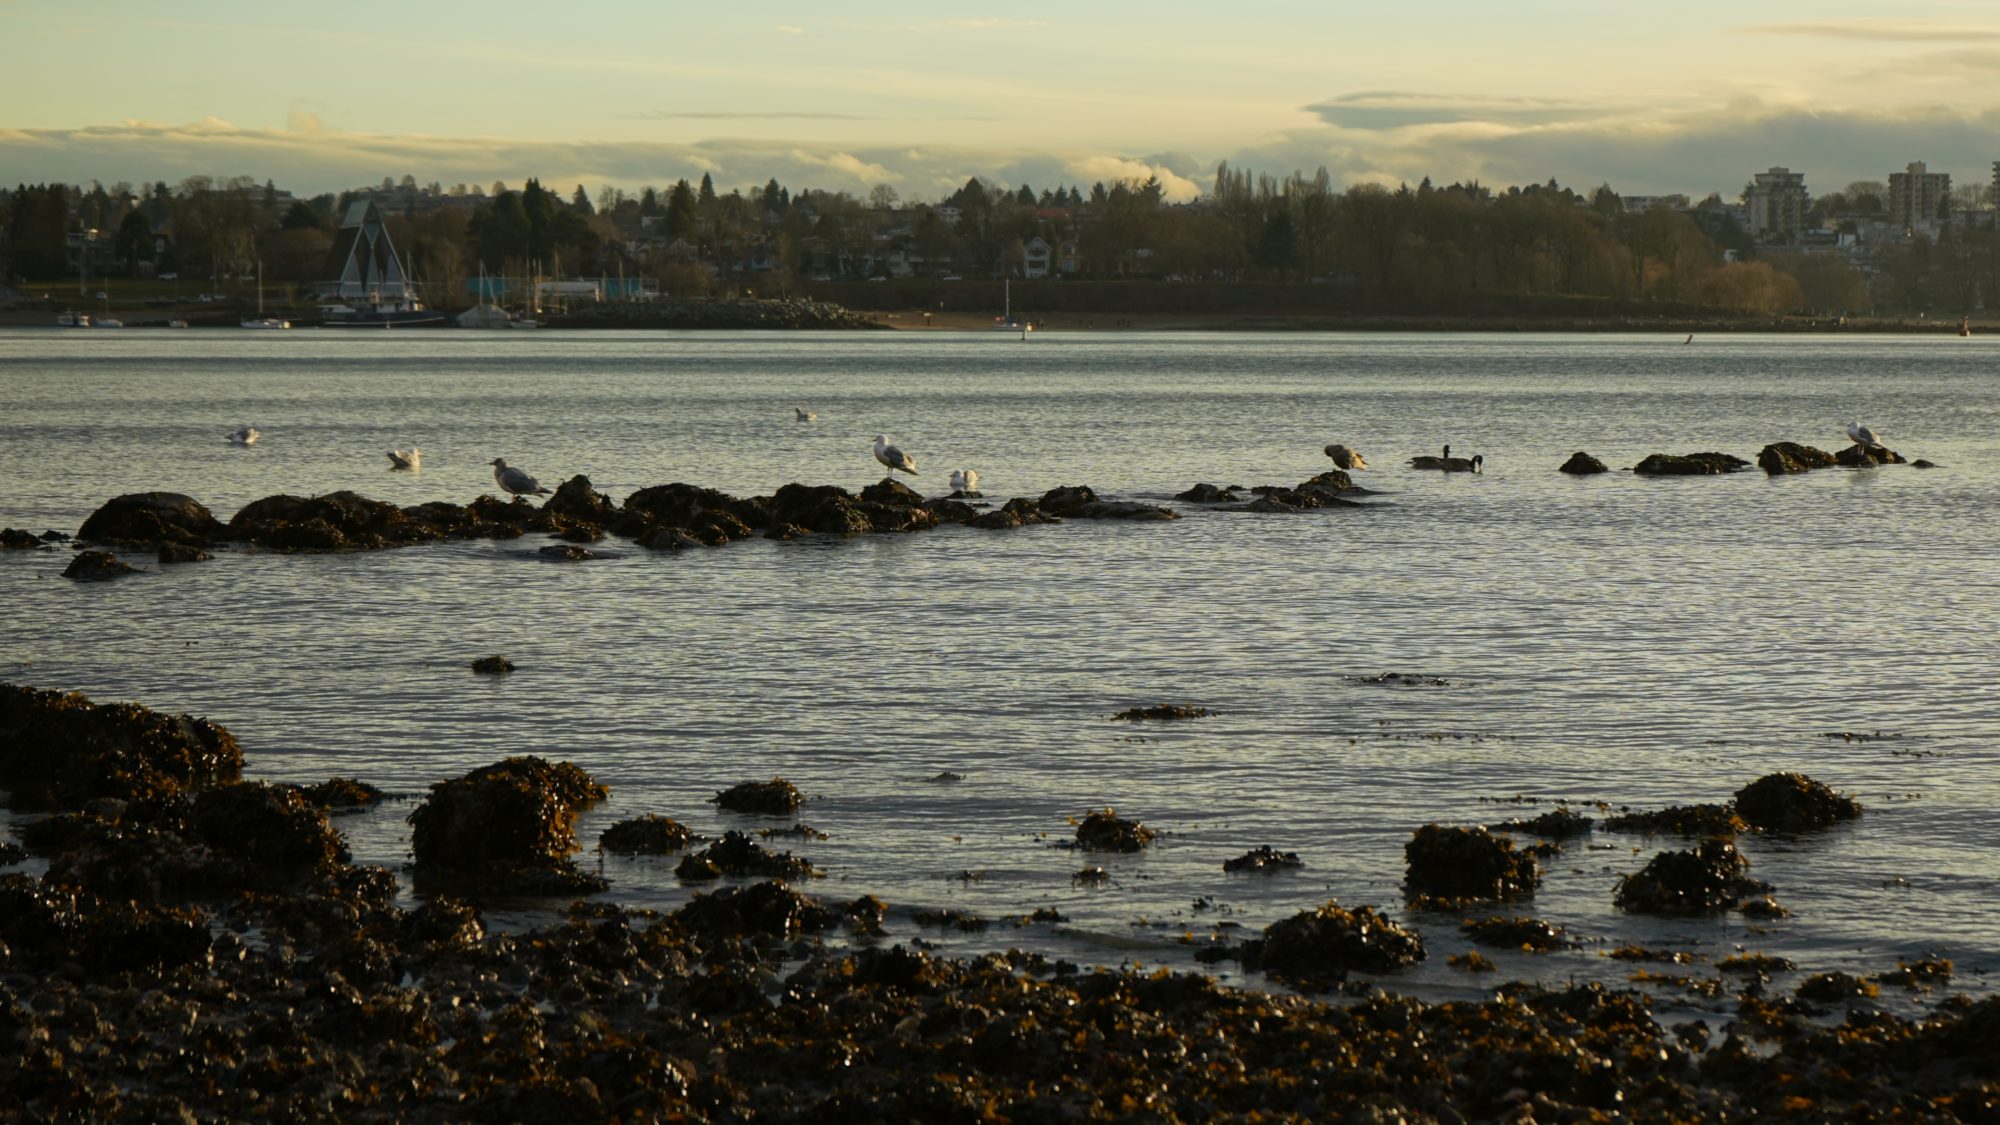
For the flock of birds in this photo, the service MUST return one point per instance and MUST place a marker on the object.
(518, 483)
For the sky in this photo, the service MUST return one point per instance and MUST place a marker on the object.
(1693, 96)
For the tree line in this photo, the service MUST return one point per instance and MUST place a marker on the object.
(1385, 249)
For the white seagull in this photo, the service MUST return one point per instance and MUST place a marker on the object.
(965, 480)
(806, 415)
(515, 481)
(412, 458)
(248, 435)
(1346, 458)
(1863, 436)
(891, 456)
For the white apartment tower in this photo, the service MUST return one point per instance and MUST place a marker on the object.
(1777, 205)
(1919, 198)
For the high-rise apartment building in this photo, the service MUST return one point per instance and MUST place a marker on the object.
(1777, 205)
(1919, 197)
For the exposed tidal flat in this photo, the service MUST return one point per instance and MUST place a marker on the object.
(1466, 650)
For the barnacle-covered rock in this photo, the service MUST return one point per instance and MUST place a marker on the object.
(776, 797)
(59, 748)
(651, 834)
(97, 566)
(1457, 863)
(1706, 880)
(508, 825)
(1783, 457)
(1103, 830)
(1316, 949)
(1581, 464)
(1265, 858)
(1792, 802)
(148, 519)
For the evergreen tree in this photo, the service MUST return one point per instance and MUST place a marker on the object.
(580, 202)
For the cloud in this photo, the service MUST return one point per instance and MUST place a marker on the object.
(1879, 31)
(1389, 109)
(771, 115)
(980, 25)
(788, 29)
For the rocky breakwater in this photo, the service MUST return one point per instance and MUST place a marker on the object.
(1784, 457)
(311, 994)
(677, 313)
(1690, 465)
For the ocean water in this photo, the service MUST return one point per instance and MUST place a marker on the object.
(1636, 642)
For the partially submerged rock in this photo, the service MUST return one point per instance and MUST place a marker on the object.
(1079, 501)
(651, 834)
(1690, 464)
(97, 566)
(1209, 494)
(1467, 863)
(510, 826)
(1792, 802)
(14, 539)
(492, 665)
(1706, 880)
(1582, 464)
(1317, 949)
(1264, 859)
(1556, 824)
(1162, 712)
(1103, 830)
(1018, 512)
(1783, 457)
(776, 797)
(148, 519)
(1679, 820)
(342, 793)
(768, 909)
(1862, 456)
(1530, 934)
(59, 749)
(738, 855)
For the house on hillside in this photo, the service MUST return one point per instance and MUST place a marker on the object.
(1037, 257)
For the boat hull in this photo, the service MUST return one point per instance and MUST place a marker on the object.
(423, 319)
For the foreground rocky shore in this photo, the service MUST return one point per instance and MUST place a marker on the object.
(200, 947)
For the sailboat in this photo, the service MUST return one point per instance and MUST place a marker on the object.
(262, 321)
(1005, 322)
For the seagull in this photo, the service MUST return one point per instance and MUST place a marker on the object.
(1462, 465)
(1862, 435)
(248, 435)
(965, 480)
(412, 459)
(891, 456)
(515, 481)
(806, 415)
(1346, 458)
(1426, 461)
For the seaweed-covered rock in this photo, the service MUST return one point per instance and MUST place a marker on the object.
(1103, 830)
(1833, 988)
(831, 510)
(1783, 457)
(1862, 456)
(1467, 863)
(568, 552)
(892, 492)
(1209, 494)
(1316, 949)
(1162, 712)
(342, 793)
(492, 665)
(1792, 802)
(769, 909)
(510, 825)
(148, 519)
(272, 825)
(576, 500)
(1080, 502)
(1679, 820)
(1532, 934)
(1265, 859)
(651, 834)
(338, 521)
(1018, 512)
(14, 539)
(97, 566)
(443, 922)
(1556, 824)
(47, 926)
(1707, 880)
(1581, 464)
(59, 748)
(173, 554)
(738, 855)
(776, 797)
(1690, 465)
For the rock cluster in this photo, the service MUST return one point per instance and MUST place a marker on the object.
(505, 828)
(1690, 464)
(1454, 863)
(1103, 830)
(1709, 879)
(1317, 949)
(59, 749)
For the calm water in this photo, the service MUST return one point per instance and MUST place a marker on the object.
(1640, 642)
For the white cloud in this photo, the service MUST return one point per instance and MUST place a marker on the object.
(1879, 31)
(789, 29)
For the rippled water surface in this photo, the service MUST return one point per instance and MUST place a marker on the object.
(1632, 641)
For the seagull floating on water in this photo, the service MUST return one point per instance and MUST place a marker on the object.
(806, 415)
(248, 435)
(1346, 458)
(411, 458)
(1863, 436)
(1426, 461)
(1463, 465)
(965, 480)
(891, 456)
(515, 481)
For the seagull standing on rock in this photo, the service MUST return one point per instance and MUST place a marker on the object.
(516, 481)
(1863, 436)
(891, 456)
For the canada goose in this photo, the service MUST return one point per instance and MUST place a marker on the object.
(891, 456)
(1463, 465)
(1426, 461)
